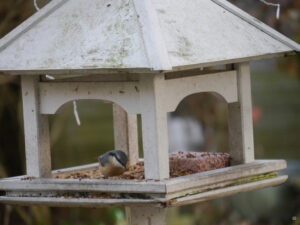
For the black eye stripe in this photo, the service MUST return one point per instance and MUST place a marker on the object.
(120, 156)
(119, 160)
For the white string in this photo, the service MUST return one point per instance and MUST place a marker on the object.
(50, 77)
(74, 102)
(76, 113)
(275, 5)
(35, 5)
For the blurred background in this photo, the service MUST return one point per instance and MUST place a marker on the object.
(198, 124)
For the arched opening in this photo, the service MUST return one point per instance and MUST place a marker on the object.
(199, 123)
(73, 145)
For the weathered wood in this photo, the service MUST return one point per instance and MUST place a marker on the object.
(154, 127)
(152, 36)
(232, 173)
(78, 202)
(126, 133)
(240, 122)
(29, 23)
(145, 216)
(232, 61)
(223, 83)
(207, 185)
(223, 192)
(76, 168)
(36, 130)
(217, 185)
(84, 185)
(112, 77)
(71, 42)
(161, 35)
(126, 94)
(80, 72)
(199, 189)
(54, 95)
(204, 32)
(194, 72)
(159, 202)
(171, 186)
(258, 24)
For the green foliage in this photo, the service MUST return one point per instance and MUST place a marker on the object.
(277, 132)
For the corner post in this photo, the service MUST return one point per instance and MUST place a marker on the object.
(36, 130)
(154, 126)
(145, 216)
(240, 119)
(126, 133)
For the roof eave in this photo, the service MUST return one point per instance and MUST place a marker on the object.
(81, 72)
(258, 24)
(94, 71)
(233, 61)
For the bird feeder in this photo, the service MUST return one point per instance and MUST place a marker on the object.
(145, 56)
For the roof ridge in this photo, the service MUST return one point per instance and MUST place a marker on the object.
(258, 24)
(153, 40)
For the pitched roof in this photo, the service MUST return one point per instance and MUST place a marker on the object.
(84, 36)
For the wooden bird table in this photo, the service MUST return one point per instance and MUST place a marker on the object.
(153, 96)
(144, 56)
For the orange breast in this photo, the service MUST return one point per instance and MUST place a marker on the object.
(110, 170)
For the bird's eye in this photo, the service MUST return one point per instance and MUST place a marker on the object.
(118, 157)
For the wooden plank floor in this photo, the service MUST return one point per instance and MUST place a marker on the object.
(171, 192)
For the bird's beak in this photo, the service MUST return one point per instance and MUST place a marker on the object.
(127, 166)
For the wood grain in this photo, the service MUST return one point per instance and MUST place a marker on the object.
(36, 130)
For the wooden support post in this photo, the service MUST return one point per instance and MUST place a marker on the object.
(154, 127)
(126, 133)
(36, 130)
(145, 216)
(240, 119)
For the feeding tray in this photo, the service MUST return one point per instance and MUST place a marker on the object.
(90, 192)
(181, 163)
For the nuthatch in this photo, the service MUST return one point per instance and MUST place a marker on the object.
(112, 163)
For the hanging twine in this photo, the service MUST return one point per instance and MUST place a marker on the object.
(74, 103)
(277, 5)
(50, 77)
(76, 113)
(36, 5)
